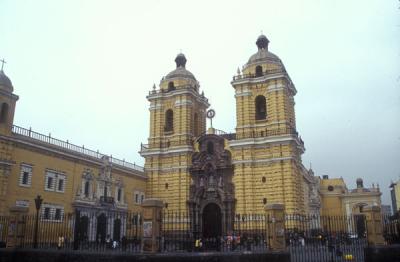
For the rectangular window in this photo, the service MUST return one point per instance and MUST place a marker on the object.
(60, 185)
(52, 212)
(141, 198)
(57, 215)
(119, 194)
(46, 213)
(25, 178)
(49, 183)
(137, 198)
(55, 181)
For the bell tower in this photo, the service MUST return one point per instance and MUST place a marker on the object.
(267, 150)
(7, 103)
(177, 117)
(7, 108)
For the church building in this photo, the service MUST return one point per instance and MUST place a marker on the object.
(212, 172)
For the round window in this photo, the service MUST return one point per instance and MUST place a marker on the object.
(330, 188)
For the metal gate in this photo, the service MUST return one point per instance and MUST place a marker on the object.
(326, 238)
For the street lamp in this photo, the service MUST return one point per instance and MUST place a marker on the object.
(38, 204)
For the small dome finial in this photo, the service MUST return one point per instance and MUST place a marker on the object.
(180, 60)
(262, 42)
(2, 63)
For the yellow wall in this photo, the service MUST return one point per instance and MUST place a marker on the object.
(73, 168)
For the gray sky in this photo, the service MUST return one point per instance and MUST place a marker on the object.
(82, 70)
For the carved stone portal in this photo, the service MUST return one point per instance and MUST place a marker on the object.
(212, 200)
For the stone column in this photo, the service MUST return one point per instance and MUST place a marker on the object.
(152, 215)
(276, 226)
(374, 225)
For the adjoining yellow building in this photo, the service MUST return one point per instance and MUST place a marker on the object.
(338, 200)
(69, 178)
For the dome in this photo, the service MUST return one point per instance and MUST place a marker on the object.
(263, 55)
(5, 81)
(359, 183)
(180, 70)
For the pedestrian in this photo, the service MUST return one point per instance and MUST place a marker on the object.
(108, 242)
(60, 243)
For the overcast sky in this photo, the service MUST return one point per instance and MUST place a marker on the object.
(83, 69)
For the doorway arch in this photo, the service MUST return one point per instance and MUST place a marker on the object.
(212, 221)
(101, 228)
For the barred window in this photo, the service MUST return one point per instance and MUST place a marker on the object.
(25, 178)
(52, 212)
(46, 213)
(55, 181)
(57, 215)
(50, 183)
(139, 197)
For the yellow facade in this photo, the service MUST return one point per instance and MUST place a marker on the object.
(168, 152)
(266, 153)
(33, 164)
(338, 200)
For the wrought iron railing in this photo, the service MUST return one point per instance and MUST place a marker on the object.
(107, 199)
(166, 144)
(265, 73)
(182, 232)
(308, 237)
(71, 147)
(93, 231)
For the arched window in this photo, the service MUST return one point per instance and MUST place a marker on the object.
(171, 86)
(169, 121)
(87, 189)
(166, 185)
(4, 113)
(263, 179)
(195, 124)
(259, 71)
(210, 148)
(261, 108)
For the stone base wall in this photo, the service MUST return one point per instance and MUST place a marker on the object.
(58, 256)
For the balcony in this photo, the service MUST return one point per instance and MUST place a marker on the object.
(106, 200)
(265, 73)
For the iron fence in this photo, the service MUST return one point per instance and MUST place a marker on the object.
(96, 231)
(181, 231)
(326, 238)
(308, 238)
(391, 228)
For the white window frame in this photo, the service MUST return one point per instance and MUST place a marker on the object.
(61, 177)
(52, 212)
(122, 195)
(25, 168)
(138, 197)
(57, 177)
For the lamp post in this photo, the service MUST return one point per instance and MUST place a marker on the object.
(38, 204)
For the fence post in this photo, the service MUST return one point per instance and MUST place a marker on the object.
(152, 212)
(276, 226)
(374, 225)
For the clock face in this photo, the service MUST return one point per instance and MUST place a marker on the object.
(210, 113)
